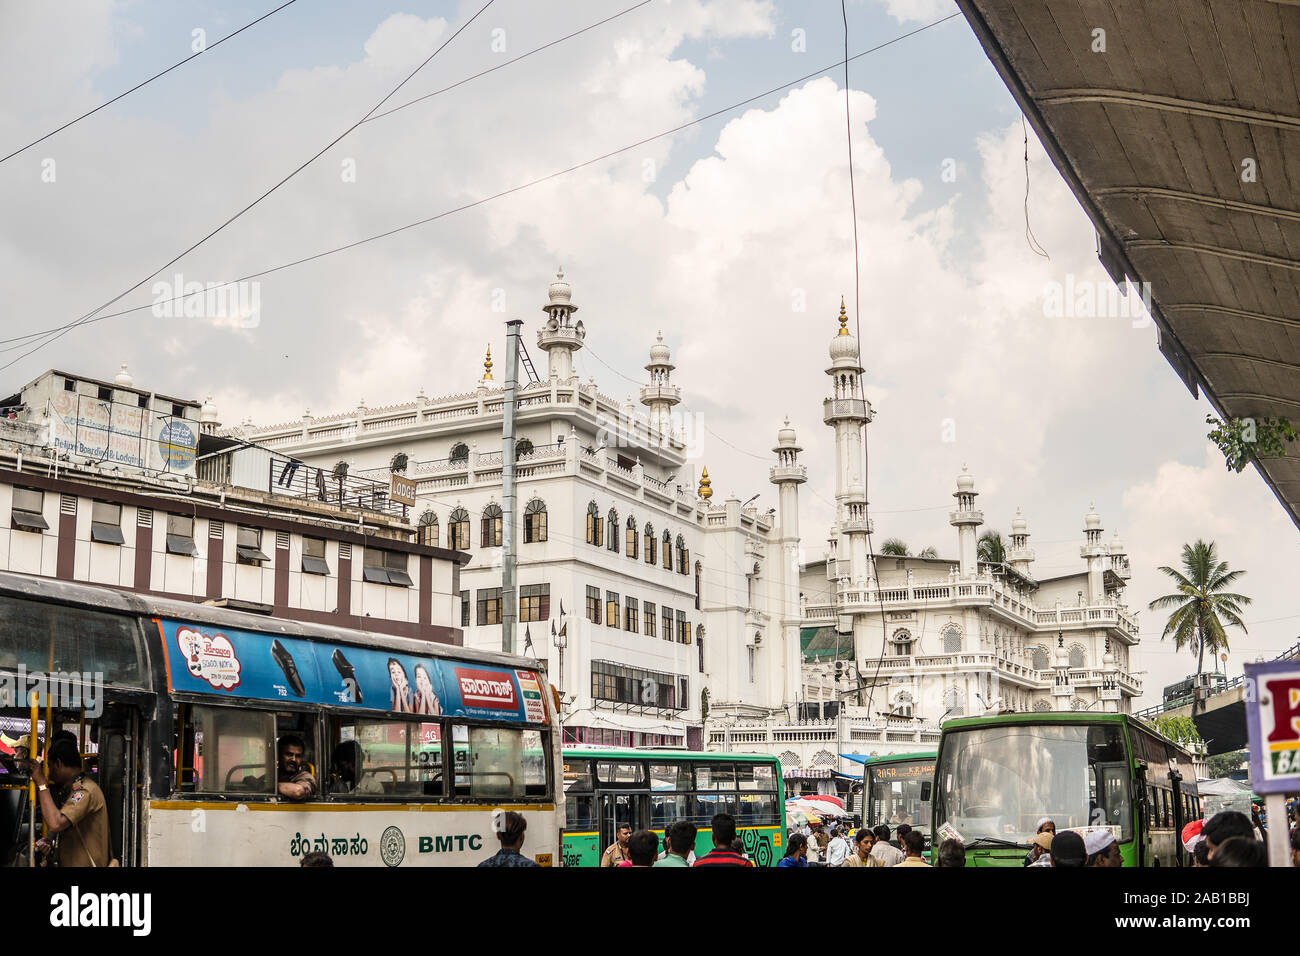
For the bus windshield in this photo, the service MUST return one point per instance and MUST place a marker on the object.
(894, 794)
(996, 783)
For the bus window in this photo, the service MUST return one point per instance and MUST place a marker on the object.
(579, 799)
(381, 758)
(610, 771)
(666, 808)
(715, 776)
(234, 750)
(670, 776)
(494, 763)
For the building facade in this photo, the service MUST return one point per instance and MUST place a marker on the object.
(652, 603)
(894, 644)
(103, 483)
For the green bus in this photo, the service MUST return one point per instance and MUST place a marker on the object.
(649, 789)
(996, 777)
(891, 790)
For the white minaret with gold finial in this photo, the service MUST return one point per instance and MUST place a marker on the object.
(660, 395)
(847, 411)
(1018, 554)
(1096, 553)
(560, 336)
(967, 520)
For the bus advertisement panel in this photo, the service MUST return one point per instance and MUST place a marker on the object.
(236, 663)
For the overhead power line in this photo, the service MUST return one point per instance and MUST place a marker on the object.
(171, 262)
(210, 46)
(93, 317)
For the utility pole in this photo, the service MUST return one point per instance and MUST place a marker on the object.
(509, 604)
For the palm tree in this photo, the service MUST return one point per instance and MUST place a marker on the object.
(1201, 602)
(927, 553)
(991, 548)
(895, 547)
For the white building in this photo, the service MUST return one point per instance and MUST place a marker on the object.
(894, 644)
(649, 591)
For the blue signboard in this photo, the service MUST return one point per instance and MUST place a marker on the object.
(235, 663)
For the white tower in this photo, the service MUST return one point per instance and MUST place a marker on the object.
(787, 474)
(661, 394)
(967, 521)
(1119, 558)
(209, 422)
(560, 337)
(1018, 554)
(847, 411)
(1096, 553)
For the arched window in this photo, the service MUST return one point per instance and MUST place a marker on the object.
(1078, 703)
(458, 530)
(699, 573)
(613, 529)
(668, 551)
(1041, 659)
(953, 702)
(1077, 655)
(1041, 706)
(535, 521)
(427, 529)
(683, 555)
(459, 452)
(650, 542)
(632, 538)
(594, 525)
(491, 526)
(903, 705)
(789, 760)
(902, 643)
(952, 640)
(523, 447)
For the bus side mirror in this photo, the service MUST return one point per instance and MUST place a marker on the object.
(926, 787)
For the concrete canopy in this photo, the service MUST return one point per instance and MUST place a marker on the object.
(1181, 140)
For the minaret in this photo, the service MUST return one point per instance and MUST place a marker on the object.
(787, 474)
(1095, 552)
(660, 395)
(1119, 558)
(209, 422)
(1018, 554)
(847, 411)
(967, 521)
(560, 337)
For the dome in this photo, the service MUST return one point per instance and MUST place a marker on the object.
(785, 435)
(560, 292)
(1018, 524)
(1108, 658)
(208, 413)
(844, 345)
(659, 353)
(1092, 520)
(1062, 655)
(965, 482)
(123, 377)
(1116, 545)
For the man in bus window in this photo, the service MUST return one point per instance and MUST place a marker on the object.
(296, 782)
(616, 852)
(82, 822)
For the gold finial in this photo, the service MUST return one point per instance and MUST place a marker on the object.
(487, 366)
(844, 318)
(705, 491)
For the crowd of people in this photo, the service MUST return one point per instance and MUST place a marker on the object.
(642, 847)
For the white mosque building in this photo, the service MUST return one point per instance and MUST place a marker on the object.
(895, 644)
(652, 603)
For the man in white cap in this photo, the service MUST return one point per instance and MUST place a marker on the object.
(1102, 849)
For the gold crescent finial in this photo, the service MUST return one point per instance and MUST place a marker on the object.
(844, 318)
(487, 365)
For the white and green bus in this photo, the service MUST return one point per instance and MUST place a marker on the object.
(178, 710)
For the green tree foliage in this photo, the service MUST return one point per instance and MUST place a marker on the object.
(1202, 603)
(1222, 765)
(1178, 729)
(927, 553)
(895, 547)
(1243, 440)
(991, 548)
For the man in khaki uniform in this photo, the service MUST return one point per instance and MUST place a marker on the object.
(616, 852)
(82, 822)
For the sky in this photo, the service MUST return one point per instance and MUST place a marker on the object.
(733, 236)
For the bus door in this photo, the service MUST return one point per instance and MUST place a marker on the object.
(120, 776)
(622, 809)
(1175, 784)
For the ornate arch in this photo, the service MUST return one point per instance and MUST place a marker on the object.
(1041, 707)
(490, 526)
(1078, 655)
(427, 528)
(535, 519)
(459, 452)
(595, 526)
(631, 538)
(613, 529)
(951, 635)
(1040, 658)
(824, 758)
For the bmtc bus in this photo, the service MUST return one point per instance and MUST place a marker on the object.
(996, 777)
(891, 788)
(649, 789)
(179, 707)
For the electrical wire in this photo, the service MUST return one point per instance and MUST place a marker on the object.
(171, 262)
(93, 317)
(156, 76)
